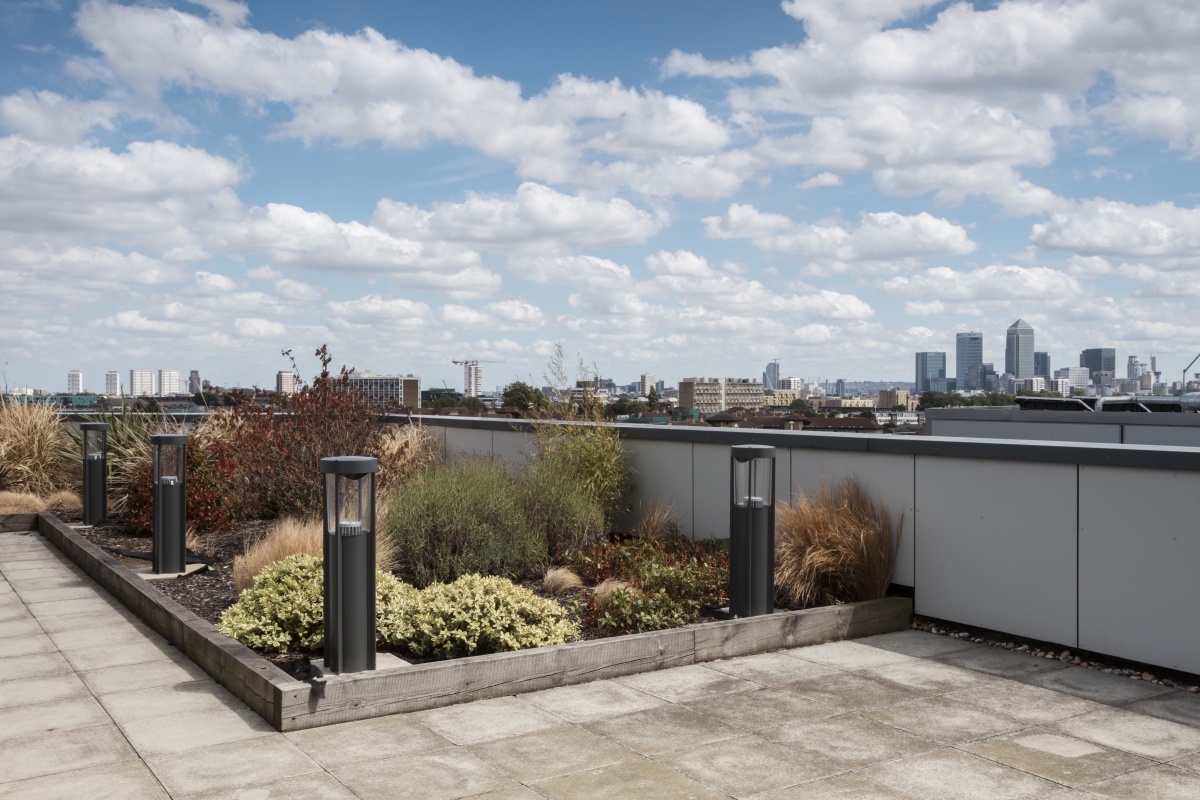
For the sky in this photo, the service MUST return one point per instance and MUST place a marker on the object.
(682, 188)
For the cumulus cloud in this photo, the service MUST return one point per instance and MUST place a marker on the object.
(50, 117)
(1123, 230)
(258, 328)
(504, 315)
(820, 181)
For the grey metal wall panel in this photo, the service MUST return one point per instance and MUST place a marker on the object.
(1027, 431)
(464, 442)
(996, 545)
(888, 477)
(662, 473)
(1139, 549)
(1170, 436)
(512, 447)
(711, 491)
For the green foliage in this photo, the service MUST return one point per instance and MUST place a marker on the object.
(653, 400)
(522, 396)
(1031, 393)
(566, 517)
(442, 401)
(800, 406)
(462, 518)
(472, 403)
(477, 614)
(953, 400)
(635, 611)
(623, 407)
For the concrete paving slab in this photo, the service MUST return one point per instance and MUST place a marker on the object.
(1062, 759)
(848, 655)
(227, 766)
(1001, 663)
(88, 620)
(645, 780)
(849, 691)
(847, 786)
(117, 655)
(64, 715)
(181, 732)
(440, 775)
(950, 774)
(19, 627)
(14, 611)
(312, 786)
(927, 677)
(551, 753)
(919, 644)
(78, 605)
(32, 666)
(368, 740)
(772, 669)
(662, 729)
(1189, 763)
(852, 741)
(42, 595)
(762, 709)
(44, 689)
(1159, 783)
(119, 632)
(181, 698)
(471, 723)
(1149, 737)
(124, 780)
(1100, 687)
(149, 675)
(26, 645)
(60, 751)
(748, 765)
(1032, 705)
(943, 720)
(590, 701)
(1180, 707)
(681, 684)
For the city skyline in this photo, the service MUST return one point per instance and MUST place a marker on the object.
(687, 188)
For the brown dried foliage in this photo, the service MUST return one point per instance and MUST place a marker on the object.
(33, 447)
(839, 546)
(560, 580)
(289, 536)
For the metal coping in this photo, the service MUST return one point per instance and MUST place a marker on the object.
(1015, 414)
(93, 426)
(745, 452)
(1085, 453)
(349, 465)
(169, 438)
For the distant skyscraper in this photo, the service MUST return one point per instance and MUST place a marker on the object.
(472, 379)
(141, 383)
(791, 384)
(771, 376)
(929, 365)
(194, 383)
(1018, 350)
(169, 382)
(1041, 365)
(1099, 359)
(74, 382)
(968, 356)
(112, 383)
(285, 382)
(840, 387)
(645, 384)
(1134, 369)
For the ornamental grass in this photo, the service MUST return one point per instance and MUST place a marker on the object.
(34, 450)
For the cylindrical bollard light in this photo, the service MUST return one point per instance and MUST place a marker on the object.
(170, 502)
(349, 563)
(752, 531)
(95, 471)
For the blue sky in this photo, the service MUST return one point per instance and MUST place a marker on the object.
(678, 188)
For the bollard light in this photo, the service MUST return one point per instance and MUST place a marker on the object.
(95, 471)
(752, 531)
(170, 502)
(349, 563)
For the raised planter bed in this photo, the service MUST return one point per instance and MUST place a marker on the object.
(289, 704)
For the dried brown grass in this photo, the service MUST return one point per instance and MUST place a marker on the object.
(839, 546)
(289, 536)
(64, 500)
(33, 448)
(405, 453)
(606, 587)
(21, 503)
(660, 524)
(560, 580)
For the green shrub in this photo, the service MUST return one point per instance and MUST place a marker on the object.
(634, 611)
(477, 614)
(463, 518)
(555, 504)
(591, 455)
(284, 610)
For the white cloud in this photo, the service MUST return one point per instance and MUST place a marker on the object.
(50, 117)
(210, 283)
(504, 315)
(258, 328)
(1110, 228)
(575, 271)
(820, 181)
(298, 291)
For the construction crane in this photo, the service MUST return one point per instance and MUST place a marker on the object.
(473, 376)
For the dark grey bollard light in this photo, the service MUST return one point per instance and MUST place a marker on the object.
(95, 471)
(752, 531)
(170, 502)
(349, 563)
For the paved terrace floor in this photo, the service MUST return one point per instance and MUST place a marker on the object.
(95, 705)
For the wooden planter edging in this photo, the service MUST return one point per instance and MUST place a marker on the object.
(290, 705)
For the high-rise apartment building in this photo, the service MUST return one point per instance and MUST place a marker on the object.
(839, 388)
(112, 383)
(889, 398)
(194, 383)
(285, 382)
(968, 356)
(170, 381)
(472, 379)
(1076, 377)
(1060, 385)
(645, 384)
(1041, 365)
(1134, 369)
(929, 365)
(1099, 359)
(74, 382)
(791, 384)
(714, 395)
(141, 383)
(1035, 384)
(404, 390)
(771, 377)
(1018, 350)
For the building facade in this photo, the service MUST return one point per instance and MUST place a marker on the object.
(285, 382)
(1018, 350)
(1077, 377)
(74, 382)
(1099, 359)
(472, 379)
(889, 398)
(714, 395)
(112, 383)
(169, 382)
(771, 377)
(1041, 365)
(645, 384)
(839, 388)
(404, 390)
(968, 358)
(141, 383)
(195, 385)
(929, 365)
